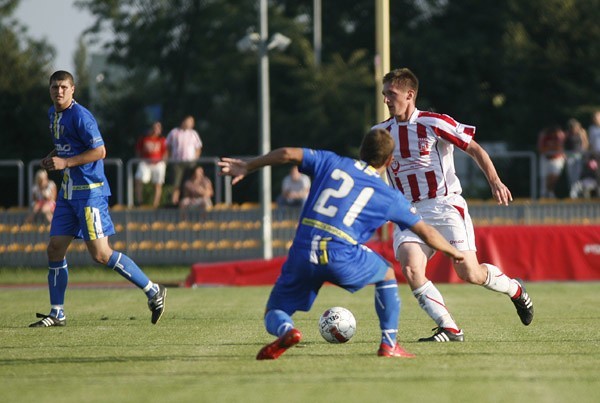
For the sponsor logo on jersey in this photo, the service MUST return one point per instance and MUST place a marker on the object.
(63, 148)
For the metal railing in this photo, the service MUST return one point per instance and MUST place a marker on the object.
(527, 175)
(20, 177)
(218, 181)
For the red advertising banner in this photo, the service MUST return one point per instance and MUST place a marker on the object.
(533, 253)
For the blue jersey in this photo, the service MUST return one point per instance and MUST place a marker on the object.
(74, 131)
(348, 201)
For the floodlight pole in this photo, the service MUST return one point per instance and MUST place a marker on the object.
(265, 133)
(382, 65)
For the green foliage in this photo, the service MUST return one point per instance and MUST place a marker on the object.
(204, 348)
(184, 58)
(510, 67)
(23, 90)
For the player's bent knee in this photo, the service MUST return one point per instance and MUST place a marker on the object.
(101, 256)
(390, 274)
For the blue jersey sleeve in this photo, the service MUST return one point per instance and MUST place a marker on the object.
(402, 213)
(87, 128)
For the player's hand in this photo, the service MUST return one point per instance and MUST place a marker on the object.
(233, 167)
(54, 163)
(456, 255)
(501, 193)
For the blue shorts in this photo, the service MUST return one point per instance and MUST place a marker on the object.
(351, 267)
(88, 219)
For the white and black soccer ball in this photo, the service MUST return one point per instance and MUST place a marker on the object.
(337, 325)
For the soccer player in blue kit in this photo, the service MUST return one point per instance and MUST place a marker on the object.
(82, 203)
(347, 202)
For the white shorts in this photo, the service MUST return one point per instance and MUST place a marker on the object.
(447, 214)
(552, 166)
(147, 172)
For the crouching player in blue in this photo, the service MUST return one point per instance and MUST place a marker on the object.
(82, 204)
(347, 202)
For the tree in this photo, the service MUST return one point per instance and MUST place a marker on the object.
(23, 97)
(24, 100)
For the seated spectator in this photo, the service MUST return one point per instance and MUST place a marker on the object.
(576, 143)
(152, 148)
(294, 189)
(552, 158)
(197, 191)
(589, 183)
(44, 197)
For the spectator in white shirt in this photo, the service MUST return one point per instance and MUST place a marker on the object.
(184, 148)
(294, 188)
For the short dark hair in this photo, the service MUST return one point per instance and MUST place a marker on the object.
(403, 78)
(61, 75)
(376, 147)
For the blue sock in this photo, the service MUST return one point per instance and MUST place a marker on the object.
(58, 277)
(387, 306)
(127, 268)
(278, 322)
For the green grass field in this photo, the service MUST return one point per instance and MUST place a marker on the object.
(204, 348)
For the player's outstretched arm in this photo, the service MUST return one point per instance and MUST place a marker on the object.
(239, 169)
(499, 190)
(433, 238)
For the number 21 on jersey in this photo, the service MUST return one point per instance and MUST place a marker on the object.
(324, 206)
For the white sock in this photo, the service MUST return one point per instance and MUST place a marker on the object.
(432, 302)
(500, 282)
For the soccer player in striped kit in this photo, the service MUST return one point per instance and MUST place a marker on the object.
(423, 169)
(82, 203)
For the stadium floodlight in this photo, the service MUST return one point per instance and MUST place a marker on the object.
(257, 42)
(279, 42)
(249, 43)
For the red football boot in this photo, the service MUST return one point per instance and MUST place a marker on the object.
(397, 351)
(273, 350)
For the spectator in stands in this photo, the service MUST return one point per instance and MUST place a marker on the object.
(44, 197)
(294, 188)
(184, 148)
(197, 191)
(576, 144)
(588, 184)
(152, 148)
(551, 142)
(594, 133)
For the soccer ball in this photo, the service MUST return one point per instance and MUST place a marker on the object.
(337, 325)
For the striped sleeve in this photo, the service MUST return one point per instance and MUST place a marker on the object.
(448, 129)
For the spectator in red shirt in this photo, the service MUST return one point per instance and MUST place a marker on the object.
(153, 149)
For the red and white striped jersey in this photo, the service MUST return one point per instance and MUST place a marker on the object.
(423, 165)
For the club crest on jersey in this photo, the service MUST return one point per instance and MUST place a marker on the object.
(423, 146)
(395, 166)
